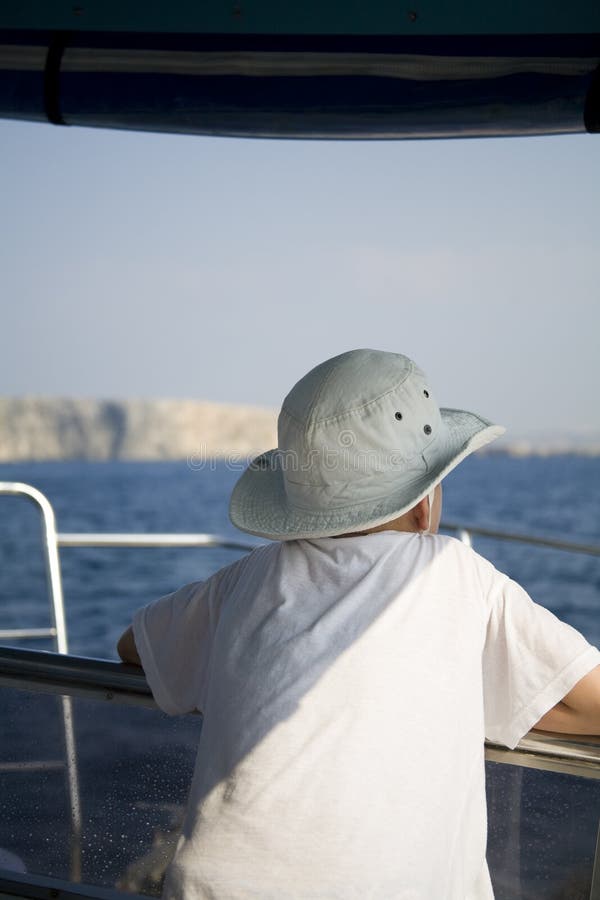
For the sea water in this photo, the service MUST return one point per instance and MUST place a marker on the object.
(556, 497)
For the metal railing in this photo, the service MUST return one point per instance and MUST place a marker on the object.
(58, 631)
(50, 543)
(465, 533)
(39, 887)
(130, 539)
(53, 540)
(42, 670)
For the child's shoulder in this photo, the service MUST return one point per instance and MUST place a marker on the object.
(259, 557)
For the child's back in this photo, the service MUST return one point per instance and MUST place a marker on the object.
(341, 681)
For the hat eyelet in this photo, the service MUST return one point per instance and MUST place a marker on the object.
(427, 429)
(398, 416)
(426, 392)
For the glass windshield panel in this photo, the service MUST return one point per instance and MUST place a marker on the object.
(111, 815)
(542, 833)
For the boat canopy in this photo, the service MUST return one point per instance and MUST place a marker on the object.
(263, 68)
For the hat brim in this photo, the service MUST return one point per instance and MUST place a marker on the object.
(259, 504)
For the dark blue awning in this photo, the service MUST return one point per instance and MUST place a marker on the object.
(311, 86)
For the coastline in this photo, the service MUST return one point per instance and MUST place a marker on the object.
(37, 428)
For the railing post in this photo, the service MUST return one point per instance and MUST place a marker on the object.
(51, 559)
(54, 581)
(595, 889)
(465, 537)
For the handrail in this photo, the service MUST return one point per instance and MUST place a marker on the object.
(40, 670)
(32, 886)
(170, 539)
(570, 754)
(51, 559)
(595, 886)
(53, 540)
(553, 543)
(59, 633)
(165, 539)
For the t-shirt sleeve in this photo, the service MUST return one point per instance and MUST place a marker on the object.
(173, 637)
(531, 660)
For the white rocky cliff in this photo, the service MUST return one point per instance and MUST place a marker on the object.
(52, 428)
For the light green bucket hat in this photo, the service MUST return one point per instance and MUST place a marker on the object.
(360, 441)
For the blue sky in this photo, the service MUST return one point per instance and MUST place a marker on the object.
(178, 266)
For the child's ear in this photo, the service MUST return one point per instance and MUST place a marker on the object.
(421, 515)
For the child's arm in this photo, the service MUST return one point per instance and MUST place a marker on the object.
(126, 648)
(579, 710)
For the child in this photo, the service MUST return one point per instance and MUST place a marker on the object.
(349, 672)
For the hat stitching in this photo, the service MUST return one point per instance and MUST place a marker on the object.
(285, 409)
(351, 505)
(319, 391)
(366, 404)
(301, 421)
(286, 412)
(433, 435)
(451, 409)
(391, 474)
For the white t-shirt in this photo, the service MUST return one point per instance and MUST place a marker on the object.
(347, 685)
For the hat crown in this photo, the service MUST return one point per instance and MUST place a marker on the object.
(365, 402)
(346, 383)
